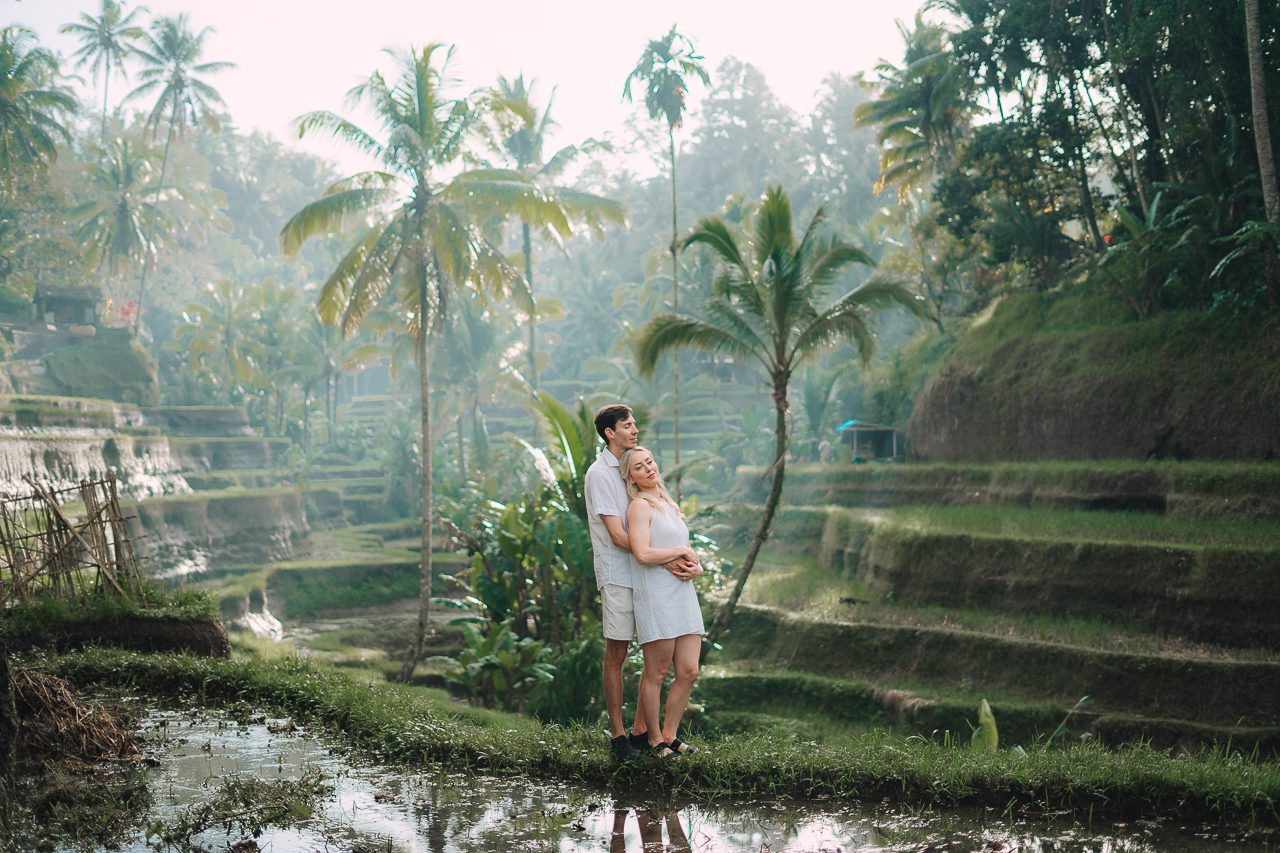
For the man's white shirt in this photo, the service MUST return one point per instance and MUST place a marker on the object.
(606, 494)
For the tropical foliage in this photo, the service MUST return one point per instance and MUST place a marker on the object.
(33, 107)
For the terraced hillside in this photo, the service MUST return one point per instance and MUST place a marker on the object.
(905, 594)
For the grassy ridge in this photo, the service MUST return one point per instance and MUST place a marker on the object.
(394, 723)
(1206, 580)
(1192, 488)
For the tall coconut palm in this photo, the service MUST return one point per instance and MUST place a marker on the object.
(32, 107)
(417, 235)
(171, 54)
(923, 109)
(520, 135)
(119, 221)
(105, 42)
(770, 308)
(665, 67)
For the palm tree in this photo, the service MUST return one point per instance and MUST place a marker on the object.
(171, 54)
(326, 354)
(664, 67)
(105, 41)
(923, 109)
(31, 107)
(215, 336)
(418, 237)
(520, 136)
(118, 223)
(768, 308)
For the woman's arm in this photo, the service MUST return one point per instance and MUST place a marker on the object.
(639, 522)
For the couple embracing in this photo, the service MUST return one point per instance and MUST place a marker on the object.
(644, 568)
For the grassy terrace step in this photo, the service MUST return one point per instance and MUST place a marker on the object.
(302, 588)
(1196, 488)
(402, 724)
(258, 478)
(1218, 693)
(1207, 580)
(859, 703)
(229, 453)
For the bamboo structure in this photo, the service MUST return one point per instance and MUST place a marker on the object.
(69, 543)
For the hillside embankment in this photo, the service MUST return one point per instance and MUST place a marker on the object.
(1046, 376)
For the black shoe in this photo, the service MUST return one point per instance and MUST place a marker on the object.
(640, 741)
(622, 749)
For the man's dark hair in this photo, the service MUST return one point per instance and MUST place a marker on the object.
(608, 417)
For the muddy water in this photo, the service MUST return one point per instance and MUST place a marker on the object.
(375, 808)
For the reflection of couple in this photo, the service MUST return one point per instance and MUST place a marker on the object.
(650, 831)
(644, 566)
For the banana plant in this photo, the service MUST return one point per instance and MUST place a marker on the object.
(498, 667)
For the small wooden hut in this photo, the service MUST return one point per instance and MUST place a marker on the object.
(868, 441)
(67, 304)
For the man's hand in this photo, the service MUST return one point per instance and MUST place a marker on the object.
(685, 568)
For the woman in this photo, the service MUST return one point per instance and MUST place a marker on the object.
(668, 618)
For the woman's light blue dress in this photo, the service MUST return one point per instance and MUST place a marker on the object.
(665, 606)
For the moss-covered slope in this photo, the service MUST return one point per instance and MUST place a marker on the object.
(1042, 377)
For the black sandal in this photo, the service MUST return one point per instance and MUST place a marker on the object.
(657, 749)
(679, 747)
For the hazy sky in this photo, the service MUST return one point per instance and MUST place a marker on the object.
(293, 56)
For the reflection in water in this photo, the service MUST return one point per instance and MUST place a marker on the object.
(393, 810)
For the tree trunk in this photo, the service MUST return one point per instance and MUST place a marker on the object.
(1090, 216)
(146, 250)
(8, 747)
(1262, 141)
(330, 406)
(462, 450)
(527, 245)
(106, 87)
(424, 398)
(770, 507)
(1130, 188)
(1130, 139)
(675, 309)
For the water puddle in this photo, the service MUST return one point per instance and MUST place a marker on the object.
(395, 810)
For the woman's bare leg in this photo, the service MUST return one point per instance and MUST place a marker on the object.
(687, 650)
(657, 661)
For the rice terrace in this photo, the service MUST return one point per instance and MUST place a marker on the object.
(688, 428)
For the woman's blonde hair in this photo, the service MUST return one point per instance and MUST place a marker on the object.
(663, 499)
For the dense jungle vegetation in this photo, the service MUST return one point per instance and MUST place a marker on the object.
(1078, 166)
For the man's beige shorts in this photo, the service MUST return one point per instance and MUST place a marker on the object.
(618, 611)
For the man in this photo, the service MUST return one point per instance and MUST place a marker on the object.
(607, 501)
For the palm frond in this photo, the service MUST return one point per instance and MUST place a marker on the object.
(667, 332)
(330, 214)
(341, 129)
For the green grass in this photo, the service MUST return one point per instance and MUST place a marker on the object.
(797, 583)
(401, 724)
(43, 615)
(1088, 526)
